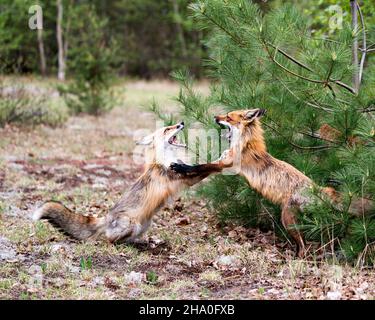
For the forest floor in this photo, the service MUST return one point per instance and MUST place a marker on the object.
(87, 163)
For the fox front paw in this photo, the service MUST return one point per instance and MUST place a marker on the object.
(226, 157)
(180, 168)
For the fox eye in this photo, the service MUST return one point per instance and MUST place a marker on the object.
(167, 129)
(229, 118)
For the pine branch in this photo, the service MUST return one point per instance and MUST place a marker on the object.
(290, 57)
(345, 86)
(344, 102)
(325, 83)
(325, 147)
(306, 102)
(238, 82)
(315, 136)
(368, 110)
(231, 35)
(273, 58)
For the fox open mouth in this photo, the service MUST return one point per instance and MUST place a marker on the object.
(174, 141)
(228, 130)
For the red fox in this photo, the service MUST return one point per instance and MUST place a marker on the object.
(132, 215)
(276, 180)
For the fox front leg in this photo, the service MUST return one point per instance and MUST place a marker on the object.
(188, 171)
(226, 158)
(185, 170)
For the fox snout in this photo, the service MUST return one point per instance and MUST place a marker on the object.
(219, 118)
(181, 125)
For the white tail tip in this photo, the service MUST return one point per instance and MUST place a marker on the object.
(38, 213)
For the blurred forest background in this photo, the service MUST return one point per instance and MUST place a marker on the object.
(147, 38)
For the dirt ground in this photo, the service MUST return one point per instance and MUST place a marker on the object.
(86, 164)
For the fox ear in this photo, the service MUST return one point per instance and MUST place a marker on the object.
(254, 113)
(146, 140)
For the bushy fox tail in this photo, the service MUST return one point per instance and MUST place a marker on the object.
(361, 206)
(75, 225)
(358, 206)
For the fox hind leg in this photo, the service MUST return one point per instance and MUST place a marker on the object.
(288, 219)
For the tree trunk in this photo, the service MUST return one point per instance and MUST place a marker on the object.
(43, 65)
(354, 13)
(60, 44)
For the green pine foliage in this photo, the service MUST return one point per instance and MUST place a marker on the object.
(271, 61)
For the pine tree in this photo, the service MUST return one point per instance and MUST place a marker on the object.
(316, 120)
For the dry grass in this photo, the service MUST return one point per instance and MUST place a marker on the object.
(86, 164)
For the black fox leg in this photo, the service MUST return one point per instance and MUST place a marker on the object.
(196, 170)
(194, 174)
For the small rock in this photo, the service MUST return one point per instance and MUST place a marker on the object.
(227, 261)
(16, 166)
(364, 286)
(57, 247)
(334, 295)
(35, 269)
(156, 241)
(7, 252)
(58, 282)
(36, 278)
(204, 229)
(135, 277)
(73, 269)
(98, 281)
(134, 293)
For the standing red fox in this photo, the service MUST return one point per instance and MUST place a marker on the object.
(132, 215)
(276, 180)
